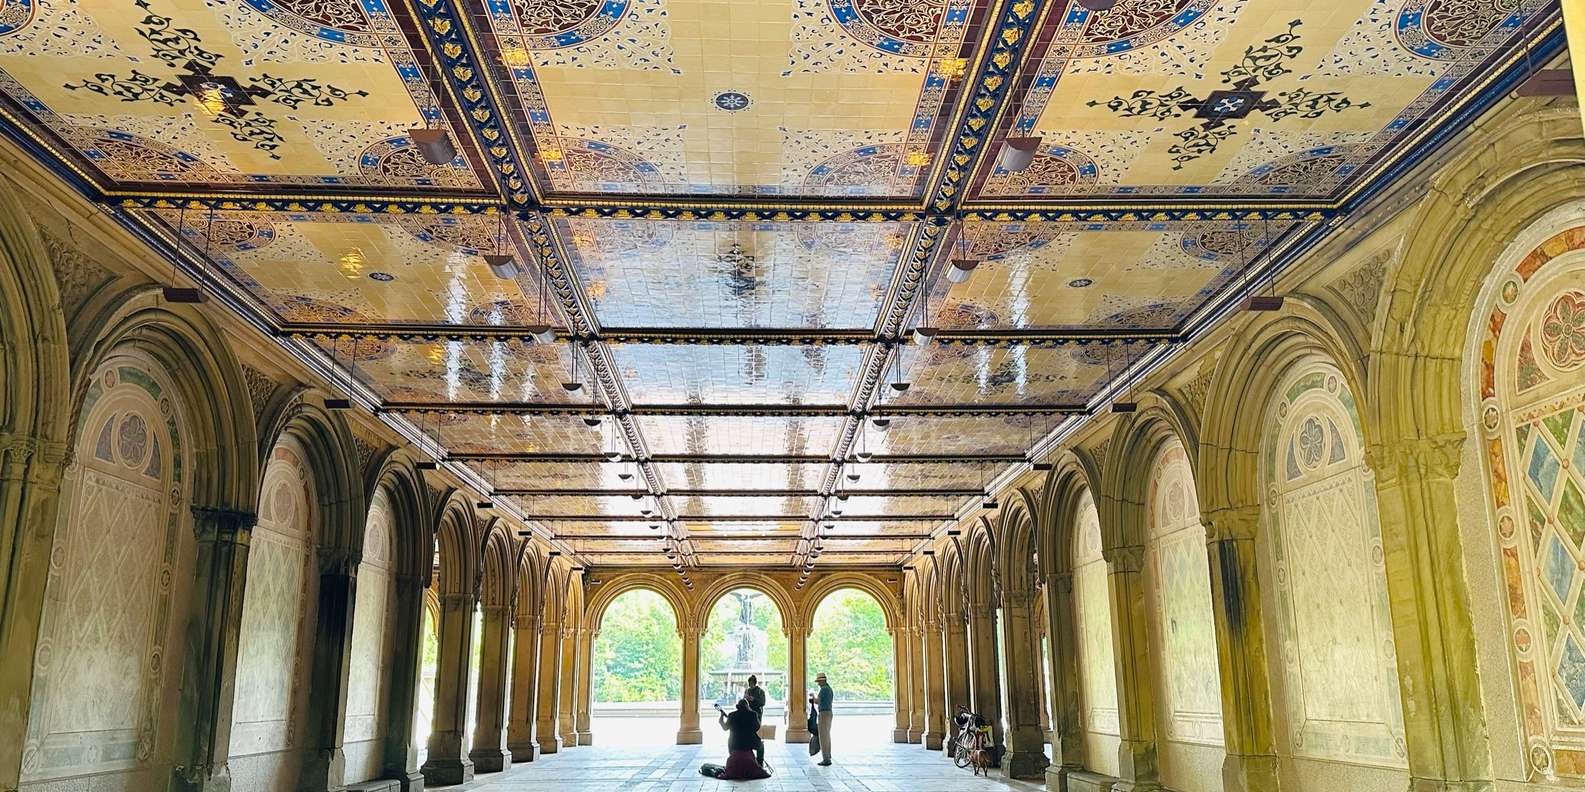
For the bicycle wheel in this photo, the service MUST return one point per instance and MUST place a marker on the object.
(960, 753)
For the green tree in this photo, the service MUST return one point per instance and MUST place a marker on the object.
(850, 645)
(637, 656)
(716, 652)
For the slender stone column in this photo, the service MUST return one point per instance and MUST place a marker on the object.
(569, 687)
(1433, 631)
(525, 683)
(1045, 689)
(916, 685)
(797, 730)
(326, 764)
(582, 704)
(407, 669)
(958, 690)
(203, 740)
(1136, 750)
(489, 754)
(447, 762)
(900, 684)
(688, 728)
(1068, 750)
(986, 681)
(1026, 757)
(1251, 761)
(546, 732)
(935, 686)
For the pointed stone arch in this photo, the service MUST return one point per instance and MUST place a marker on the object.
(332, 458)
(612, 588)
(456, 542)
(1074, 474)
(497, 565)
(791, 616)
(1017, 550)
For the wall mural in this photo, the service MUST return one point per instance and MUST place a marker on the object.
(371, 646)
(1531, 385)
(276, 644)
(1333, 655)
(103, 691)
(1093, 615)
(1182, 625)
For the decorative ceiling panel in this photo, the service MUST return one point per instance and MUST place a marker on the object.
(582, 505)
(917, 475)
(711, 97)
(182, 94)
(736, 374)
(625, 559)
(1224, 98)
(741, 527)
(1120, 276)
(779, 547)
(675, 434)
(474, 433)
(682, 274)
(859, 528)
(554, 475)
(740, 475)
(460, 371)
(877, 506)
(1021, 374)
(999, 434)
(744, 506)
(877, 558)
(351, 269)
(638, 533)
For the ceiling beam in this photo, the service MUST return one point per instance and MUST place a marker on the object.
(751, 518)
(731, 410)
(750, 493)
(725, 459)
(1010, 336)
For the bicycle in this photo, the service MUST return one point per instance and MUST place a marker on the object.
(973, 743)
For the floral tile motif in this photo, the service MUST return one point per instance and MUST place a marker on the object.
(683, 374)
(960, 374)
(667, 434)
(741, 475)
(953, 435)
(460, 371)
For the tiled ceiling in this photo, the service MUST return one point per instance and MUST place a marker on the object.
(733, 214)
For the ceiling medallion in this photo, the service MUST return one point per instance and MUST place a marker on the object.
(1079, 283)
(383, 277)
(732, 101)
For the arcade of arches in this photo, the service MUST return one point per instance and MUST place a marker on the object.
(1337, 545)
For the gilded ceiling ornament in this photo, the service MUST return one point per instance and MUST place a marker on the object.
(1217, 109)
(15, 15)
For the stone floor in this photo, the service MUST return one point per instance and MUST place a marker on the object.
(621, 763)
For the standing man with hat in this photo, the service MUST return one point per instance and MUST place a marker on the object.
(825, 720)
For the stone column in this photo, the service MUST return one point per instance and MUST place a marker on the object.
(547, 734)
(1251, 761)
(569, 687)
(1026, 756)
(955, 659)
(916, 685)
(326, 764)
(525, 683)
(1136, 750)
(1066, 712)
(797, 730)
(935, 687)
(407, 669)
(447, 762)
(688, 728)
(209, 664)
(1433, 632)
(582, 704)
(986, 684)
(1045, 689)
(900, 684)
(489, 754)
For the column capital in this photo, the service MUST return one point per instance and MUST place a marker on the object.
(1419, 458)
(337, 561)
(1018, 598)
(1059, 582)
(454, 599)
(526, 623)
(223, 525)
(502, 611)
(1125, 559)
(1231, 523)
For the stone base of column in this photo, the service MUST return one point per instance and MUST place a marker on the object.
(689, 737)
(490, 760)
(932, 742)
(1027, 765)
(525, 752)
(914, 736)
(1441, 785)
(550, 746)
(797, 734)
(1249, 773)
(899, 735)
(586, 738)
(1137, 786)
(569, 739)
(203, 779)
(447, 772)
(411, 782)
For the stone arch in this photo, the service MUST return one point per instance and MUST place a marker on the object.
(951, 579)
(1136, 439)
(497, 570)
(979, 566)
(397, 475)
(1016, 553)
(764, 584)
(455, 540)
(530, 576)
(612, 588)
(1074, 474)
(332, 458)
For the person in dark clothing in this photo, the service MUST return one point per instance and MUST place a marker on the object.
(755, 696)
(742, 728)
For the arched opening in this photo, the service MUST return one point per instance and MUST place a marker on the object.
(743, 637)
(849, 643)
(636, 670)
(429, 667)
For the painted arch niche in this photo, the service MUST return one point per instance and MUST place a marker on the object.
(367, 680)
(108, 662)
(1334, 667)
(1093, 616)
(1530, 378)
(1182, 626)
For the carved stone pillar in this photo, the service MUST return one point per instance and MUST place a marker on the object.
(489, 754)
(985, 677)
(900, 684)
(585, 690)
(935, 687)
(407, 669)
(1026, 756)
(1444, 724)
(1251, 761)
(916, 685)
(448, 762)
(569, 687)
(546, 733)
(688, 727)
(203, 740)
(797, 730)
(1067, 714)
(525, 683)
(959, 692)
(1136, 749)
(326, 763)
